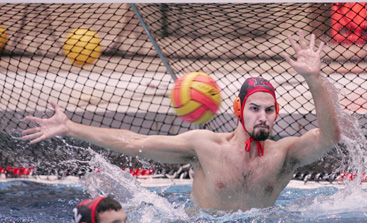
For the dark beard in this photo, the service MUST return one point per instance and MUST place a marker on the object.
(261, 135)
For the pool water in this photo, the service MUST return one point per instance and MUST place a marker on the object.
(27, 201)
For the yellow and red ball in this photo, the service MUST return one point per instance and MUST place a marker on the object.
(196, 97)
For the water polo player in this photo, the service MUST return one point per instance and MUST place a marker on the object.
(237, 170)
(99, 210)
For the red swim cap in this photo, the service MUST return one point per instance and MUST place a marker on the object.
(85, 211)
(255, 84)
(250, 86)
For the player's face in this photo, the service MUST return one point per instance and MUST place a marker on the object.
(259, 115)
(113, 216)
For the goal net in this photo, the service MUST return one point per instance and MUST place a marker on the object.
(118, 79)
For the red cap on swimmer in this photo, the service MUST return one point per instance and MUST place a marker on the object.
(253, 85)
(85, 211)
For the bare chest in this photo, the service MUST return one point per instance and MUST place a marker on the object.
(228, 178)
(247, 177)
(255, 183)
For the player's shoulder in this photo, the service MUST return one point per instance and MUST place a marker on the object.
(287, 139)
(285, 142)
(204, 134)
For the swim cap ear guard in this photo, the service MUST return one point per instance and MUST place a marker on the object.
(237, 108)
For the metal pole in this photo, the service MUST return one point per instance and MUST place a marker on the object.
(157, 48)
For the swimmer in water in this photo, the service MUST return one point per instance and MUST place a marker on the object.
(99, 210)
(239, 170)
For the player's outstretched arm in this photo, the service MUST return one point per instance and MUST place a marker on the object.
(170, 149)
(312, 145)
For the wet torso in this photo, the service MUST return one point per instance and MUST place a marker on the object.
(227, 178)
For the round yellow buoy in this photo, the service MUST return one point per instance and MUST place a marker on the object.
(3, 38)
(82, 46)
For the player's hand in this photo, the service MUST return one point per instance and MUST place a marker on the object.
(56, 125)
(308, 62)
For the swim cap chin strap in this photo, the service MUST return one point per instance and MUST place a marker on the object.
(250, 86)
(260, 150)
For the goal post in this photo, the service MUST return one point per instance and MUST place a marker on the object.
(114, 65)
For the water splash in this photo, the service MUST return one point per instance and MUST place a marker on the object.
(142, 204)
(329, 204)
(352, 151)
(352, 146)
(146, 206)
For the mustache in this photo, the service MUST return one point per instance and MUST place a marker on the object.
(260, 125)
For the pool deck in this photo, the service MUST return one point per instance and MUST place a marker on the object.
(166, 182)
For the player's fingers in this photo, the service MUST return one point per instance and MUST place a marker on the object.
(293, 43)
(302, 41)
(322, 44)
(287, 58)
(55, 106)
(31, 130)
(32, 136)
(34, 119)
(37, 140)
(312, 42)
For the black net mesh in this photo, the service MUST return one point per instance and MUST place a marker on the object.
(127, 85)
